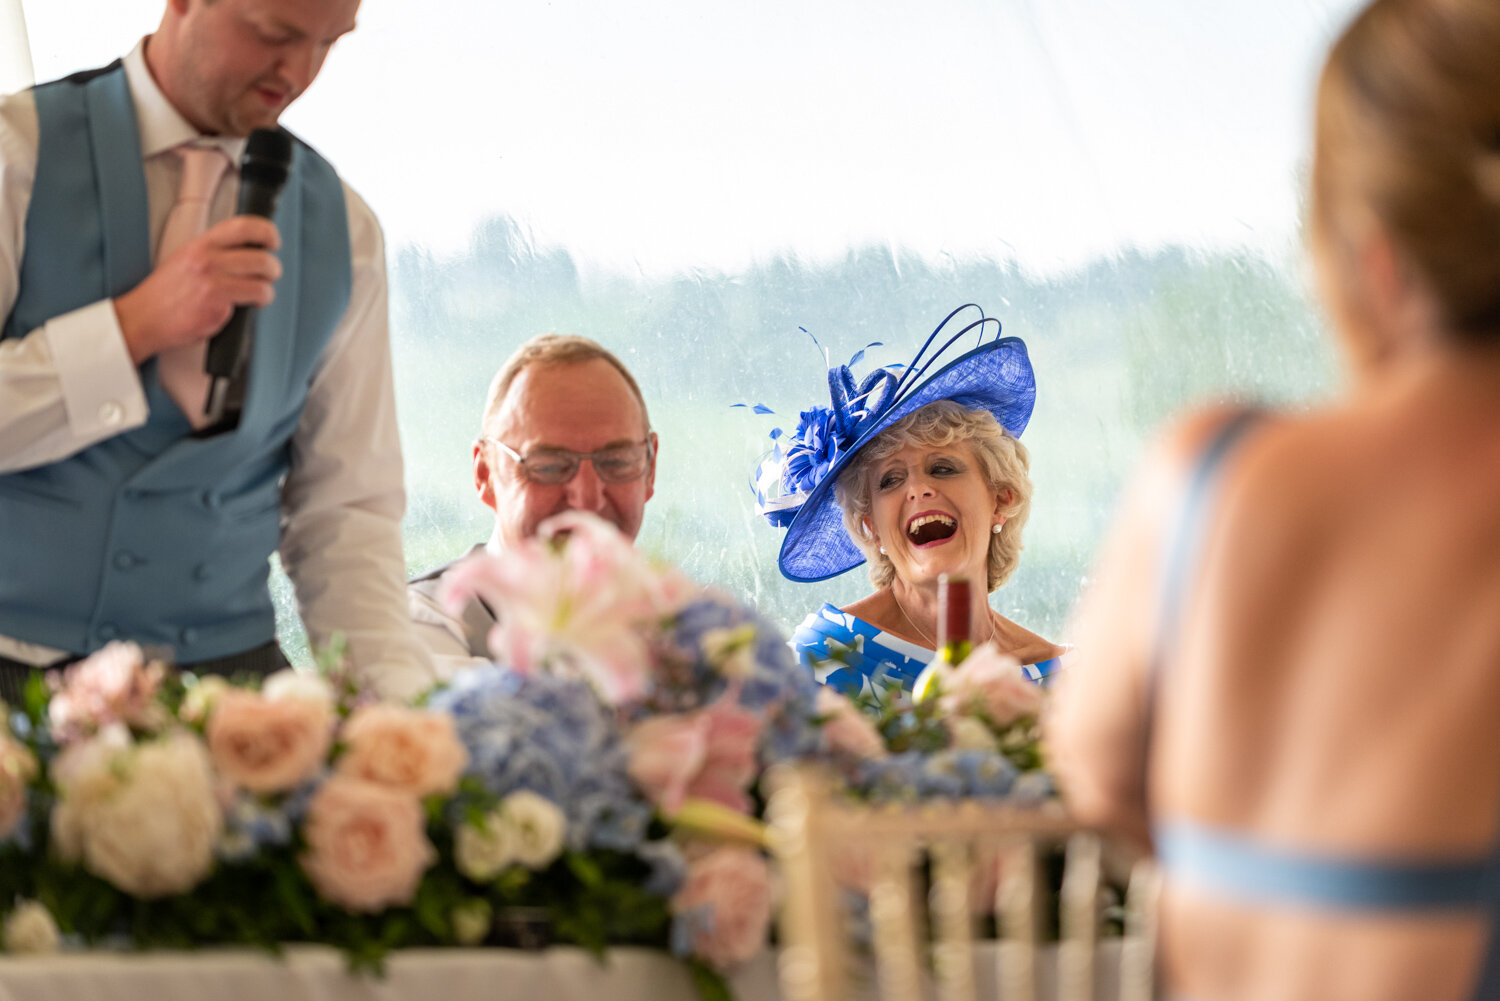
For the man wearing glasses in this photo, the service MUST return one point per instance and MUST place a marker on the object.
(564, 429)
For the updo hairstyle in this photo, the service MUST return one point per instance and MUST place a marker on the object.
(1408, 136)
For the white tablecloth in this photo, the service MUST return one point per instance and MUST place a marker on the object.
(316, 973)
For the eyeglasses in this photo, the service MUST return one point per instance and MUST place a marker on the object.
(556, 466)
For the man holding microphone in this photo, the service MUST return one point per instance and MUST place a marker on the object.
(123, 512)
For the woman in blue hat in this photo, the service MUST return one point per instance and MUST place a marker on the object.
(920, 476)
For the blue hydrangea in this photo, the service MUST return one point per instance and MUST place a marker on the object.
(688, 925)
(952, 774)
(551, 736)
(252, 824)
(668, 866)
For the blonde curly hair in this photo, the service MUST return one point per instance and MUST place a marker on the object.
(1003, 461)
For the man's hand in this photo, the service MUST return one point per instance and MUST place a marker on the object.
(191, 295)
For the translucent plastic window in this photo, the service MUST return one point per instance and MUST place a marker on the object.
(690, 184)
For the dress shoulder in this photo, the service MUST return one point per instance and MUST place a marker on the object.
(845, 652)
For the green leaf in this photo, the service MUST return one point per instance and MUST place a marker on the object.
(584, 869)
(433, 908)
(708, 982)
(291, 892)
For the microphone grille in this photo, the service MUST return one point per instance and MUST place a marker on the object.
(268, 154)
(274, 145)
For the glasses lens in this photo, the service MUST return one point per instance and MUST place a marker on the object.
(622, 464)
(551, 467)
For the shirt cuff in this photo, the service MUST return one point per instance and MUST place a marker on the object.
(101, 389)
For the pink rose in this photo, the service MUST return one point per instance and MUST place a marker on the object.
(17, 769)
(112, 685)
(412, 750)
(848, 730)
(991, 684)
(367, 845)
(267, 745)
(730, 888)
(708, 754)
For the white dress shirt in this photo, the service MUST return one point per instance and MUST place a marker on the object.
(71, 383)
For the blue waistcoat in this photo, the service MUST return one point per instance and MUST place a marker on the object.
(153, 535)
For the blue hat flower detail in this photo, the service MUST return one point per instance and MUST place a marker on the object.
(793, 482)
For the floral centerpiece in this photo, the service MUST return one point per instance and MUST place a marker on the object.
(598, 784)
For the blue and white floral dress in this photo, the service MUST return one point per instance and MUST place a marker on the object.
(846, 652)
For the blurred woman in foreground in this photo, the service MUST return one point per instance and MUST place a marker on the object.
(1288, 668)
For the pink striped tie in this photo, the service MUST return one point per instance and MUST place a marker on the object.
(181, 368)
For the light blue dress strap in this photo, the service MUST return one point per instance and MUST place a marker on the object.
(1185, 540)
(1488, 986)
(1246, 869)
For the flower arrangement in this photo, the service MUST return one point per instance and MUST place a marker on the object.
(598, 784)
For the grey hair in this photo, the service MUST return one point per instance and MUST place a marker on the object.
(553, 349)
(1003, 461)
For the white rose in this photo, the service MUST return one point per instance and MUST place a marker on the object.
(153, 832)
(85, 776)
(971, 735)
(199, 700)
(483, 852)
(538, 826)
(291, 683)
(471, 921)
(30, 929)
(731, 650)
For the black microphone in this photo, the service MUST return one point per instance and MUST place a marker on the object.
(263, 173)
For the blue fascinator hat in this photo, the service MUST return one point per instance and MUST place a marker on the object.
(793, 482)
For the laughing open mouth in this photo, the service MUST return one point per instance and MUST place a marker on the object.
(928, 528)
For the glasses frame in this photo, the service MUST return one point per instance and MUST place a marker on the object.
(578, 459)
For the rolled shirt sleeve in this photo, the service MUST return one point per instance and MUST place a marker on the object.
(69, 383)
(344, 497)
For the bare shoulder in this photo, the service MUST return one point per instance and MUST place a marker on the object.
(1182, 443)
(873, 608)
(1021, 643)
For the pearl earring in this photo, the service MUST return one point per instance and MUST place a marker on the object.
(997, 528)
(882, 550)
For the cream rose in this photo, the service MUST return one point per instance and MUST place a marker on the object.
(198, 702)
(408, 749)
(731, 650)
(367, 844)
(291, 683)
(267, 745)
(485, 850)
(17, 769)
(30, 930)
(538, 826)
(145, 818)
(971, 735)
(472, 920)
